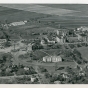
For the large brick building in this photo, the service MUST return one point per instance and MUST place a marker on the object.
(52, 59)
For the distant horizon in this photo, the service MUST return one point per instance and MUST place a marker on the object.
(73, 15)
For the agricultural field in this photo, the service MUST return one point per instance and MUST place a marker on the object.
(12, 15)
(72, 17)
(25, 31)
(41, 9)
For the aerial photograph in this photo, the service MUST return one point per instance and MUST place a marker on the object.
(43, 43)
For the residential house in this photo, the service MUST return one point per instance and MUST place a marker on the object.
(26, 68)
(33, 78)
(42, 42)
(50, 40)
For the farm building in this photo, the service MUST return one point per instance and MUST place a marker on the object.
(52, 59)
(17, 23)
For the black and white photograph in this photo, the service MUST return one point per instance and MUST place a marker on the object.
(43, 43)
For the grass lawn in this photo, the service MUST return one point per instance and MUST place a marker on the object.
(84, 52)
(40, 53)
(51, 66)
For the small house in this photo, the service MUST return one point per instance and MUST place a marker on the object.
(26, 68)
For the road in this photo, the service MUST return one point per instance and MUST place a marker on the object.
(75, 43)
(20, 76)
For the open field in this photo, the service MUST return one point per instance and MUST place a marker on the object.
(60, 64)
(67, 21)
(41, 53)
(12, 15)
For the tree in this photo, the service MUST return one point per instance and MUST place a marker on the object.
(37, 46)
(42, 69)
(54, 77)
(47, 75)
(69, 70)
(7, 44)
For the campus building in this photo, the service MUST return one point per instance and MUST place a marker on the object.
(52, 59)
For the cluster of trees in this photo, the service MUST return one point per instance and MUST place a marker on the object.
(73, 77)
(37, 46)
(25, 56)
(18, 70)
(7, 44)
(54, 46)
(42, 69)
(77, 57)
(72, 46)
(23, 80)
(54, 77)
(8, 69)
(5, 57)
